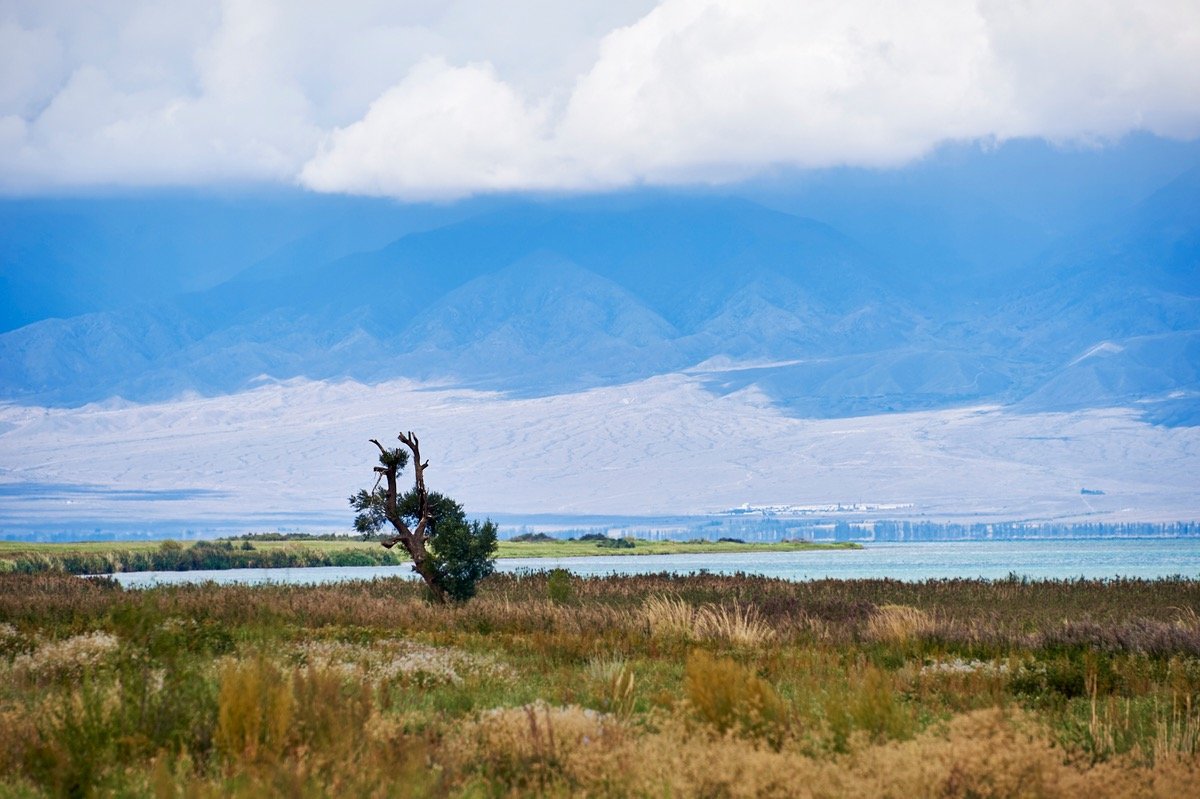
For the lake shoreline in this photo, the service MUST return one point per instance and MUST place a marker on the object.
(1002, 561)
(117, 557)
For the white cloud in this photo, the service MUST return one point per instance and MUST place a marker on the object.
(30, 61)
(712, 90)
(706, 87)
(441, 131)
(1098, 70)
(421, 100)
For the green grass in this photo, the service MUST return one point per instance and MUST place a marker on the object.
(12, 549)
(101, 557)
(16, 548)
(568, 549)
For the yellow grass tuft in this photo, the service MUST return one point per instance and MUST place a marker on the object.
(254, 711)
(737, 625)
(670, 617)
(898, 624)
(673, 618)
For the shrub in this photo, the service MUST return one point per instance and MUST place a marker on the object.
(355, 557)
(730, 697)
(463, 554)
(534, 538)
(558, 586)
(616, 543)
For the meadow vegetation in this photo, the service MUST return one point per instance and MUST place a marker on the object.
(550, 684)
(251, 552)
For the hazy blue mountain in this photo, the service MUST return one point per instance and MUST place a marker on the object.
(1111, 316)
(61, 257)
(1095, 302)
(543, 317)
(1137, 369)
(907, 378)
(965, 217)
(535, 297)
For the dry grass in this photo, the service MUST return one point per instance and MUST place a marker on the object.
(899, 624)
(732, 698)
(670, 617)
(255, 709)
(990, 753)
(700, 686)
(737, 625)
(673, 618)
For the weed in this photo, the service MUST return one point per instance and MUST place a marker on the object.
(730, 697)
(898, 624)
(826, 688)
(737, 625)
(613, 681)
(255, 711)
(670, 617)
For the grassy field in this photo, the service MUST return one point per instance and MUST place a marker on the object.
(105, 557)
(552, 685)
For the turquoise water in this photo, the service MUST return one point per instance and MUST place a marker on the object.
(1091, 558)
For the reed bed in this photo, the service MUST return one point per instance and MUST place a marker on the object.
(549, 684)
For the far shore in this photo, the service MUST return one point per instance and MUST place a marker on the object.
(106, 557)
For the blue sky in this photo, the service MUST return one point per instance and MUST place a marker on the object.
(443, 100)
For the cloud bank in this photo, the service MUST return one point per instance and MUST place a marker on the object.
(419, 101)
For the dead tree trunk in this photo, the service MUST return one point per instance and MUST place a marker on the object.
(413, 539)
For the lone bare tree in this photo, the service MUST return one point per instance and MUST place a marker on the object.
(450, 554)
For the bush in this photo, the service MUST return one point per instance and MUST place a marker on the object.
(616, 543)
(354, 557)
(730, 697)
(558, 586)
(533, 538)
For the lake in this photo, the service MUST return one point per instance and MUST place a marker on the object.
(1040, 559)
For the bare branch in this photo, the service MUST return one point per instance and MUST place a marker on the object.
(413, 539)
(419, 466)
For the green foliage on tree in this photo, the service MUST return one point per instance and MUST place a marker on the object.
(463, 554)
(450, 553)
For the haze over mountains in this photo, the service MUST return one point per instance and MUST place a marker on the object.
(980, 336)
(1091, 308)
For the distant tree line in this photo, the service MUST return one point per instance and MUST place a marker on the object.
(938, 531)
(202, 555)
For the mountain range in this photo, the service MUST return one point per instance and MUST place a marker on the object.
(550, 295)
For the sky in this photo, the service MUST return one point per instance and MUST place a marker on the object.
(442, 100)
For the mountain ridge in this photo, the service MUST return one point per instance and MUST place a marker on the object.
(554, 296)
